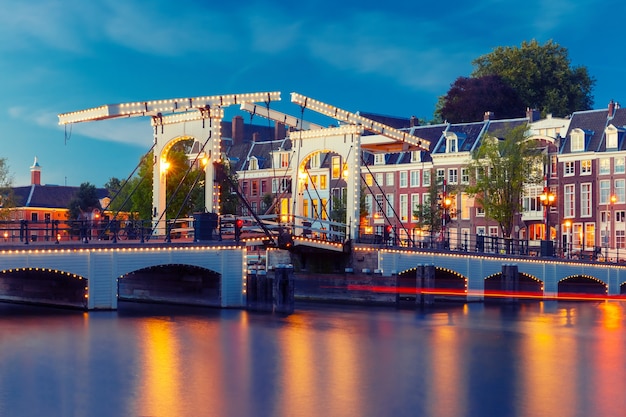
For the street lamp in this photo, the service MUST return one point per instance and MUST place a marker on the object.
(568, 243)
(547, 200)
(608, 228)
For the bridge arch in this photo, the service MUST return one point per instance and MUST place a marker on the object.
(44, 286)
(582, 284)
(527, 285)
(172, 283)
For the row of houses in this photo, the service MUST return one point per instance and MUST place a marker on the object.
(585, 175)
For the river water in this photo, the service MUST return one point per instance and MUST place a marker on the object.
(531, 360)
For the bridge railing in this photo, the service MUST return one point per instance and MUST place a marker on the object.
(467, 243)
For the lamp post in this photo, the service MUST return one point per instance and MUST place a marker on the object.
(568, 243)
(547, 200)
(608, 228)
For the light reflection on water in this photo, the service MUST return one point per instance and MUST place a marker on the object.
(535, 359)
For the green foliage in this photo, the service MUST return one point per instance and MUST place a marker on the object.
(85, 200)
(227, 180)
(7, 199)
(541, 75)
(428, 214)
(499, 171)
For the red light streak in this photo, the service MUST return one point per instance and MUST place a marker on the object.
(486, 293)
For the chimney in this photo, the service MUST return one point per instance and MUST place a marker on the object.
(255, 137)
(280, 131)
(611, 109)
(488, 116)
(414, 121)
(35, 173)
(237, 130)
(532, 114)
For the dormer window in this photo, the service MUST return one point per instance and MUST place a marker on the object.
(577, 140)
(253, 164)
(379, 159)
(454, 141)
(612, 137)
(416, 156)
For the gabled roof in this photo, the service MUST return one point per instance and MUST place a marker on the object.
(592, 122)
(49, 196)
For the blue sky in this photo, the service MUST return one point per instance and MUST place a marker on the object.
(394, 57)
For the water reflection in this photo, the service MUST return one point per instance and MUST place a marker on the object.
(527, 360)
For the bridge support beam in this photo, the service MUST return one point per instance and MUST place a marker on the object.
(425, 281)
(273, 292)
(510, 282)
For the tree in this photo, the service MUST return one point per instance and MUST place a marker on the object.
(541, 75)
(469, 98)
(227, 179)
(84, 202)
(7, 200)
(429, 213)
(121, 196)
(499, 171)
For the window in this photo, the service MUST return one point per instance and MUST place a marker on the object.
(315, 160)
(404, 207)
(244, 188)
(305, 208)
(611, 137)
(368, 203)
(379, 159)
(619, 191)
(585, 167)
(324, 209)
(255, 188)
(426, 178)
(465, 206)
(284, 160)
(554, 163)
(451, 144)
(390, 178)
(323, 182)
(390, 205)
(441, 175)
(313, 181)
(453, 176)
(380, 180)
(568, 168)
(605, 166)
(403, 179)
(531, 200)
(577, 143)
(619, 216)
(336, 167)
(416, 156)
(480, 212)
(369, 179)
(316, 208)
(590, 234)
(585, 200)
(620, 239)
(493, 231)
(415, 202)
(465, 176)
(254, 164)
(568, 201)
(605, 189)
(618, 165)
(263, 187)
(415, 178)
(379, 205)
